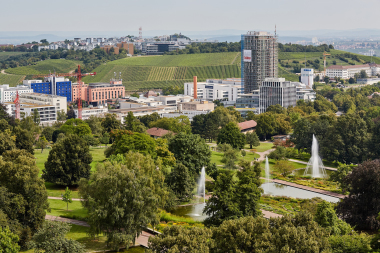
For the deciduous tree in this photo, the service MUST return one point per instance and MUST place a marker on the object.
(252, 139)
(231, 134)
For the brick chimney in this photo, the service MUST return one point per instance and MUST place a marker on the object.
(195, 87)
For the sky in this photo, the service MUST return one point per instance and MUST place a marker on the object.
(193, 15)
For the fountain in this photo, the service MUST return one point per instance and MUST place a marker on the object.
(266, 170)
(198, 209)
(315, 166)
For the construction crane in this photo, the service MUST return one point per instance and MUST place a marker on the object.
(324, 61)
(79, 76)
(17, 105)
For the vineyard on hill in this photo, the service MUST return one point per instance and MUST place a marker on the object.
(164, 71)
(44, 67)
(12, 80)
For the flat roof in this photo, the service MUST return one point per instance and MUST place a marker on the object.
(143, 108)
(41, 95)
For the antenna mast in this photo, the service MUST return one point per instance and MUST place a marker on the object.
(140, 33)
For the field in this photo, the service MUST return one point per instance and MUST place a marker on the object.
(6, 55)
(12, 80)
(216, 157)
(44, 67)
(164, 71)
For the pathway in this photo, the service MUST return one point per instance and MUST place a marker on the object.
(268, 214)
(298, 161)
(142, 239)
(264, 154)
(307, 188)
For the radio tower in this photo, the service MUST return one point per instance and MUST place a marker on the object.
(17, 105)
(140, 33)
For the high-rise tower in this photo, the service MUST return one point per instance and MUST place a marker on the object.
(259, 59)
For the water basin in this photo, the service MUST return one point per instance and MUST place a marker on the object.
(288, 191)
(194, 212)
(301, 172)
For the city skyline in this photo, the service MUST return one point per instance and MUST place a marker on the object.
(196, 15)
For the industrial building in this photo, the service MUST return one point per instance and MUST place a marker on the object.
(53, 85)
(346, 72)
(259, 59)
(275, 91)
(307, 76)
(7, 94)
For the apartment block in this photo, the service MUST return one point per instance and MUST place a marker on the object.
(275, 91)
(8, 94)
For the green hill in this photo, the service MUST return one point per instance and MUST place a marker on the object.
(6, 55)
(43, 67)
(12, 80)
(163, 71)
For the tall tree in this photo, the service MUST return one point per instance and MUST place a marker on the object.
(110, 122)
(190, 150)
(362, 206)
(136, 142)
(123, 198)
(8, 241)
(71, 114)
(48, 133)
(24, 139)
(61, 115)
(42, 143)
(252, 139)
(181, 182)
(231, 134)
(95, 123)
(36, 117)
(133, 124)
(68, 161)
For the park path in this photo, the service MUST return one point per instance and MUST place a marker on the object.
(264, 154)
(298, 161)
(307, 188)
(142, 239)
(60, 198)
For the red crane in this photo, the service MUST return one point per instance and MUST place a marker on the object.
(17, 105)
(79, 76)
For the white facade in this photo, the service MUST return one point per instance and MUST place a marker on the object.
(189, 114)
(346, 72)
(307, 76)
(212, 89)
(305, 92)
(142, 111)
(8, 94)
(48, 113)
(45, 99)
(94, 111)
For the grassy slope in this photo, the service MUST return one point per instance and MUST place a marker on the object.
(12, 80)
(43, 67)
(6, 55)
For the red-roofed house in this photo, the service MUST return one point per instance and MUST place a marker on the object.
(156, 132)
(247, 126)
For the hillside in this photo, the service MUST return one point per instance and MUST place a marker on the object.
(163, 71)
(12, 80)
(43, 67)
(6, 55)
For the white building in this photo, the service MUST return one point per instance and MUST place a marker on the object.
(213, 89)
(142, 111)
(275, 91)
(346, 72)
(8, 94)
(307, 76)
(305, 92)
(92, 111)
(45, 99)
(48, 113)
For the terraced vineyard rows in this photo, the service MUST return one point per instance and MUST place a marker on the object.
(12, 80)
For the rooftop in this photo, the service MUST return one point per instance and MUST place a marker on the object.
(247, 124)
(340, 67)
(40, 95)
(159, 132)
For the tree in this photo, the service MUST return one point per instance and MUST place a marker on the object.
(68, 161)
(284, 167)
(190, 150)
(351, 243)
(61, 115)
(105, 139)
(176, 125)
(71, 114)
(50, 238)
(327, 218)
(42, 143)
(181, 182)
(36, 117)
(252, 139)
(22, 189)
(95, 123)
(266, 125)
(55, 135)
(76, 126)
(110, 123)
(351, 80)
(278, 154)
(317, 78)
(24, 139)
(66, 197)
(326, 79)
(362, 206)
(147, 119)
(44, 41)
(363, 74)
(91, 140)
(48, 133)
(137, 142)
(231, 134)
(133, 124)
(121, 199)
(181, 239)
(7, 141)
(340, 174)
(8, 241)
(230, 156)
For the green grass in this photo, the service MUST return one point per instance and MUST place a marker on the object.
(6, 55)
(76, 211)
(216, 157)
(180, 60)
(44, 67)
(12, 80)
(264, 146)
(56, 190)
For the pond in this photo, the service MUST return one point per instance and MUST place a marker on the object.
(288, 191)
(193, 211)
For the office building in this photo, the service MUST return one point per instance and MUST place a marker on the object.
(98, 93)
(92, 111)
(259, 59)
(127, 46)
(53, 85)
(8, 94)
(48, 113)
(346, 72)
(305, 92)
(275, 91)
(307, 76)
(44, 99)
(196, 106)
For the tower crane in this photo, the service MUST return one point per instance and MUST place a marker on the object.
(17, 105)
(324, 61)
(79, 76)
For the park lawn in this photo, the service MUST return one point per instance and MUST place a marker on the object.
(272, 162)
(282, 205)
(216, 157)
(97, 157)
(59, 208)
(264, 146)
